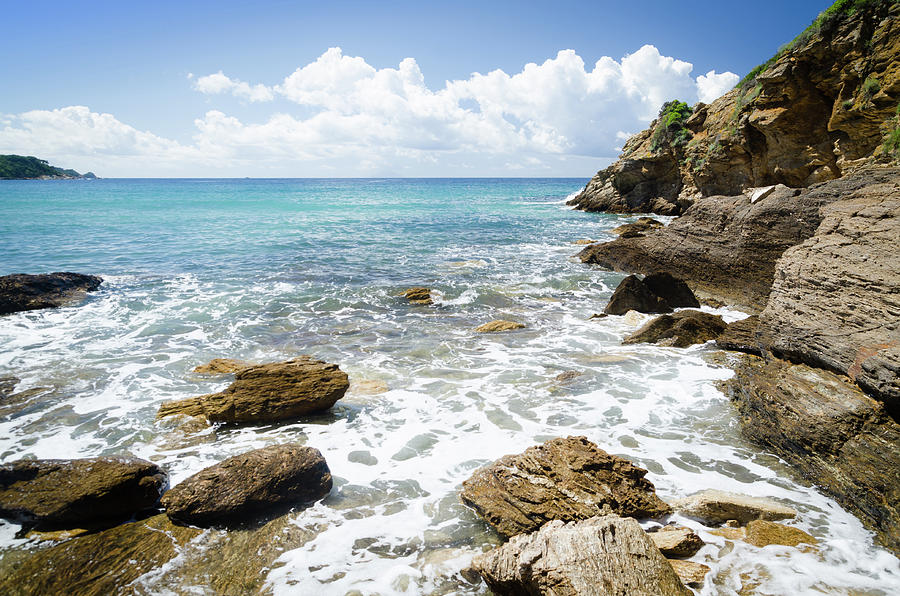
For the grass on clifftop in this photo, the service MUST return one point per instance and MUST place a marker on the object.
(670, 127)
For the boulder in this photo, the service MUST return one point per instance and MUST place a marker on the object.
(418, 295)
(831, 432)
(763, 533)
(565, 479)
(269, 393)
(690, 573)
(596, 556)
(20, 291)
(247, 486)
(679, 330)
(716, 506)
(76, 493)
(674, 291)
(741, 336)
(637, 227)
(632, 294)
(221, 366)
(498, 326)
(674, 541)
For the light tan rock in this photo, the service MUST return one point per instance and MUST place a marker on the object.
(690, 573)
(498, 326)
(369, 387)
(221, 366)
(675, 541)
(716, 506)
(763, 533)
(583, 241)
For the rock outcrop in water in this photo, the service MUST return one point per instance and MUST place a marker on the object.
(21, 291)
(249, 485)
(269, 393)
(656, 293)
(562, 479)
(77, 493)
(679, 330)
(716, 507)
(499, 326)
(811, 114)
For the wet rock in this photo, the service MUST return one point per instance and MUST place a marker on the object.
(418, 295)
(498, 326)
(830, 431)
(741, 336)
(716, 506)
(249, 485)
(596, 556)
(74, 493)
(675, 541)
(99, 564)
(20, 291)
(656, 293)
(269, 393)
(221, 366)
(679, 330)
(583, 241)
(568, 376)
(637, 228)
(562, 479)
(690, 573)
(763, 533)
(369, 387)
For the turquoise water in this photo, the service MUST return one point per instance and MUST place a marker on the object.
(265, 270)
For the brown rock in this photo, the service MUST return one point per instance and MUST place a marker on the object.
(418, 295)
(676, 542)
(221, 366)
(565, 479)
(498, 326)
(681, 329)
(741, 336)
(637, 227)
(690, 573)
(763, 533)
(583, 241)
(596, 556)
(656, 293)
(243, 487)
(74, 493)
(716, 506)
(20, 291)
(268, 393)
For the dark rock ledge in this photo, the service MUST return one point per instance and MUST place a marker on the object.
(20, 291)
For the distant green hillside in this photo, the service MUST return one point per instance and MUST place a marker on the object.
(21, 167)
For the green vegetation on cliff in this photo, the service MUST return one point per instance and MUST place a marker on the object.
(21, 167)
(670, 129)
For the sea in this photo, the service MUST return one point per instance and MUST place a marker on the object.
(267, 270)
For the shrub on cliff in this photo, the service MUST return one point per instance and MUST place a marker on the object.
(670, 129)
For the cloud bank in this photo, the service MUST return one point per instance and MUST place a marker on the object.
(338, 115)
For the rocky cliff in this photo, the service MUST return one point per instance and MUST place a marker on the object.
(824, 105)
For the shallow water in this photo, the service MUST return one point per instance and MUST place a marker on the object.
(264, 270)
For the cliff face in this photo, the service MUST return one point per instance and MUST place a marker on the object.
(820, 109)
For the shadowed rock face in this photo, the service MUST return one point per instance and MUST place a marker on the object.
(807, 118)
(566, 479)
(20, 292)
(656, 293)
(679, 330)
(596, 556)
(742, 336)
(74, 493)
(246, 486)
(831, 432)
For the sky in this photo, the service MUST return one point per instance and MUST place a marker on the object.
(274, 88)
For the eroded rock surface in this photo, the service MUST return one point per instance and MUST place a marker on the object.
(563, 479)
(20, 291)
(679, 330)
(74, 493)
(597, 556)
(269, 393)
(763, 533)
(221, 366)
(742, 336)
(498, 326)
(637, 227)
(246, 486)
(716, 506)
(675, 541)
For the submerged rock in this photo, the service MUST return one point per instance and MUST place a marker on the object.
(716, 506)
(656, 293)
(74, 493)
(249, 485)
(596, 556)
(418, 295)
(221, 366)
(269, 393)
(563, 479)
(742, 336)
(498, 326)
(679, 330)
(763, 533)
(20, 291)
(673, 541)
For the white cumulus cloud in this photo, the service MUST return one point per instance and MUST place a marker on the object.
(219, 83)
(712, 86)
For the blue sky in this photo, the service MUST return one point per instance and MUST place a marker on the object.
(125, 89)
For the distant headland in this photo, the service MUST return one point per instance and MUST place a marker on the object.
(20, 167)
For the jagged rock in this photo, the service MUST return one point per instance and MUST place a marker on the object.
(741, 336)
(679, 330)
(832, 433)
(99, 564)
(632, 294)
(74, 493)
(246, 486)
(763, 533)
(20, 291)
(690, 573)
(673, 541)
(498, 326)
(716, 506)
(221, 366)
(596, 556)
(268, 393)
(835, 301)
(418, 295)
(565, 479)
(637, 228)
